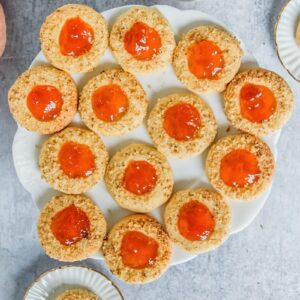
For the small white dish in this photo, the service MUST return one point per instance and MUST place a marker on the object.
(54, 282)
(285, 38)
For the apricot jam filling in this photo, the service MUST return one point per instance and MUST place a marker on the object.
(45, 102)
(195, 221)
(138, 251)
(205, 60)
(109, 103)
(257, 103)
(139, 177)
(182, 121)
(76, 160)
(142, 41)
(76, 37)
(239, 168)
(70, 225)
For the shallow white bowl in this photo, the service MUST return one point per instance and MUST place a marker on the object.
(285, 37)
(188, 173)
(54, 282)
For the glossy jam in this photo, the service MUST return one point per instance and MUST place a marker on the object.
(76, 37)
(205, 60)
(70, 225)
(182, 121)
(45, 102)
(195, 221)
(257, 102)
(239, 168)
(142, 41)
(109, 103)
(138, 251)
(76, 160)
(139, 177)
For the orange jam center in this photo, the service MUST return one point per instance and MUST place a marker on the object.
(257, 102)
(76, 160)
(76, 37)
(205, 60)
(239, 168)
(195, 221)
(109, 103)
(182, 121)
(45, 102)
(70, 225)
(142, 41)
(138, 251)
(139, 177)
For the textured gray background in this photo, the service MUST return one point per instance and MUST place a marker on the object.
(260, 263)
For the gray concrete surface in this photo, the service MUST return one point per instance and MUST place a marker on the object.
(263, 262)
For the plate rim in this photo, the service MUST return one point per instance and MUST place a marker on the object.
(41, 276)
(284, 6)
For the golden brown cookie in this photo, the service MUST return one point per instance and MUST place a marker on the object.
(182, 125)
(197, 220)
(139, 178)
(137, 249)
(207, 58)
(43, 99)
(142, 40)
(113, 103)
(240, 167)
(77, 294)
(258, 101)
(73, 160)
(74, 37)
(71, 228)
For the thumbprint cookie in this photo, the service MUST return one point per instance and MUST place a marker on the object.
(240, 167)
(139, 178)
(207, 58)
(182, 125)
(73, 160)
(74, 37)
(137, 249)
(197, 220)
(113, 103)
(77, 294)
(142, 40)
(71, 227)
(258, 101)
(43, 99)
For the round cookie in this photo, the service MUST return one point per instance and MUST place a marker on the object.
(258, 101)
(139, 178)
(207, 58)
(74, 37)
(43, 99)
(113, 103)
(142, 40)
(77, 294)
(71, 228)
(182, 125)
(137, 249)
(240, 167)
(190, 213)
(73, 160)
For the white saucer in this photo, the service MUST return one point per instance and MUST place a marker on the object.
(285, 38)
(54, 282)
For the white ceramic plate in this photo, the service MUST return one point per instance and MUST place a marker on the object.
(187, 173)
(285, 37)
(54, 282)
